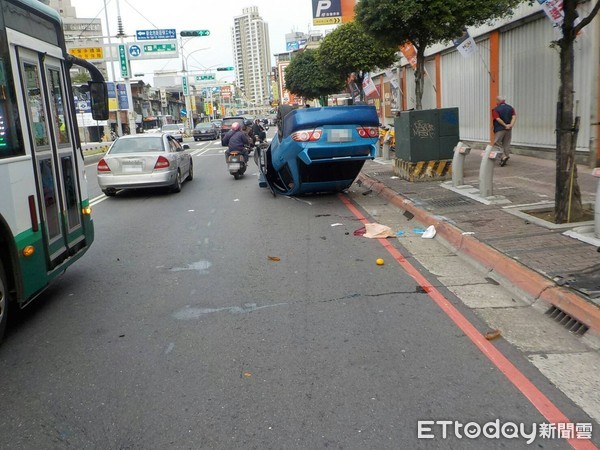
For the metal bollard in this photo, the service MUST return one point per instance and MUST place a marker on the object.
(458, 164)
(596, 173)
(486, 171)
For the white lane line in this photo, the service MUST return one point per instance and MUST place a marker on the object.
(97, 200)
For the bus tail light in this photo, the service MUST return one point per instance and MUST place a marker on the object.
(368, 132)
(162, 163)
(102, 166)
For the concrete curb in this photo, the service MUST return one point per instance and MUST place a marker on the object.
(519, 276)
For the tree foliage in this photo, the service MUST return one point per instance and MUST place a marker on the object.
(306, 77)
(426, 22)
(349, 49)
(81, 78)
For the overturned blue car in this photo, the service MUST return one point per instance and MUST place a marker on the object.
(318, 149)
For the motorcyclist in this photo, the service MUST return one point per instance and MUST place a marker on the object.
(237, 140)
(259, 131)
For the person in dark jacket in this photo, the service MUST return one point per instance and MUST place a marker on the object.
(259, 131)
(237, 140)
(504, 118)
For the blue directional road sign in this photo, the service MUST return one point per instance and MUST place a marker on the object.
(135, 50)
(144, 35)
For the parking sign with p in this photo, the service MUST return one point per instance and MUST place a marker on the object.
(327, 12)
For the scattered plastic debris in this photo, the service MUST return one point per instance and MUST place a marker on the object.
(337, 224)
(418, 231)
(394, 177)
(191, 210)
(399, 233)
(360, 232)
(429, 232)
(367, 192)
(378, 231)
(236, 200)
(274, 258)
(247, 374)
(408, 215)
(379, 261)
(491, 335)
(468, 233)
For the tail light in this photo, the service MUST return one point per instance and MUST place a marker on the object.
(162, 163)
(102, 166)
(307, 135)
(368, 132)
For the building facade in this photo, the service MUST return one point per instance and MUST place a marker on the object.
(515, 58)
(252, 56)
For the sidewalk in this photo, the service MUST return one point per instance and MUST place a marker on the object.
(548, 267)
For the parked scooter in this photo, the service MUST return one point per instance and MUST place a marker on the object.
(236, 164)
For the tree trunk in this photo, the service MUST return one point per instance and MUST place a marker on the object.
(567, 194)
(419, 77)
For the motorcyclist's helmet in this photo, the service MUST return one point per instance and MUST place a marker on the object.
(235, 126)
(247, 122)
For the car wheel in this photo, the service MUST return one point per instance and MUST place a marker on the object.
(109, 192)
(190, 176)
(4, 300)
(177, 185)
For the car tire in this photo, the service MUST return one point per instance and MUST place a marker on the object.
(4, 300)
(190, 176)
(177, 184)
(282, 111)
(109, 192)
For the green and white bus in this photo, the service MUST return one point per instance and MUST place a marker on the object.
(45, 219)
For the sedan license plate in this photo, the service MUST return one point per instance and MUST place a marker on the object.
(132, 168)
(339, 135)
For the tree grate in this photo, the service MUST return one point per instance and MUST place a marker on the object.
(570, 323)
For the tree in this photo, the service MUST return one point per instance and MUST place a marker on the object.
(349, 49)
(567, 189)
(81, 78)
(306, 77)
(426, 22)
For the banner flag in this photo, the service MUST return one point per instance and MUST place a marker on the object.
(410, 53)
(369, 87)
(465, 44)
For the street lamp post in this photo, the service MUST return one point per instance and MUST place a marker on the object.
(185, 83)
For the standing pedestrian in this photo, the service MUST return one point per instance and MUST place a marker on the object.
(504, 118)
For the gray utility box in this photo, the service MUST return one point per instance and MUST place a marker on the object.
(426, 135)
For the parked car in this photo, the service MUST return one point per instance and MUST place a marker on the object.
(217, 123)
(145, 161)
(227, 122)
(206, 130)
(174, 129)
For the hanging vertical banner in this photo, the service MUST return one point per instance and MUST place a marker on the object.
(369, 87)
(554, 11)
(410, 53)
(465, 44)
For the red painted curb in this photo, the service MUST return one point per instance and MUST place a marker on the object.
(522, 277)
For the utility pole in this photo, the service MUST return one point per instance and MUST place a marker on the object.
(126, 74)
(112, 69)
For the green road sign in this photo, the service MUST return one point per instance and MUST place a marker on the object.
(194, 33)
(219, 69)
(154, 48)
(184, 82)
(205, 77)
(123, 61)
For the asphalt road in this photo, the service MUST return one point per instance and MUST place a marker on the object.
(223, 317)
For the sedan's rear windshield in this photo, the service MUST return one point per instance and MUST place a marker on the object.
(204, 126)
(140, 145)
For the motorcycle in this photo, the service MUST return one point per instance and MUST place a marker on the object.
(236, 164)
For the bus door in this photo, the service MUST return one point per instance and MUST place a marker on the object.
(53, 152)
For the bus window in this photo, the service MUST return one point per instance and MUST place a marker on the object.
(11, 143)
(36, 105)
(58, 106)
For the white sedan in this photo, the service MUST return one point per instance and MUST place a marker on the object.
(145, 161)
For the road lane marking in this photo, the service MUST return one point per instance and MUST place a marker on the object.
(542, 403)
(98, 199)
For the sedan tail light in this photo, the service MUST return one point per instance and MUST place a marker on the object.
(162, 163)
(368, 132)
(307, 135)
(102, 166)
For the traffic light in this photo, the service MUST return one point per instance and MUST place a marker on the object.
(220, 69)
(194, 33)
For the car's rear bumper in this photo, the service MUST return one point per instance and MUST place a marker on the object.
(146, 180)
